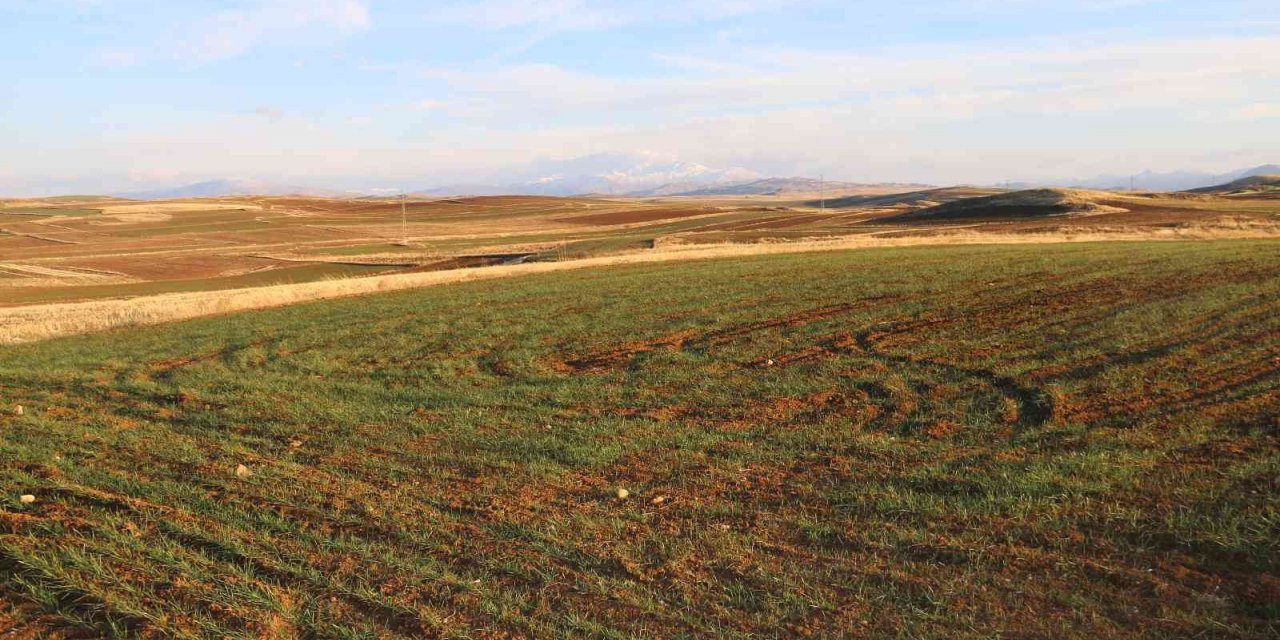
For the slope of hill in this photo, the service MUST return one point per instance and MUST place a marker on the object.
(762, 187)
(1018, 204)
(230, 187)
(1264, 184)
(925, 197)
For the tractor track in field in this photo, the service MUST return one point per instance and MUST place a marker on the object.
(690, 340)
(164, 522)
(15, 573)
(400, 621)
(1035, 406)
(166, 368)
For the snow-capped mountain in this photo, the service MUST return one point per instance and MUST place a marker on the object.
(230, 187)
(615, 174)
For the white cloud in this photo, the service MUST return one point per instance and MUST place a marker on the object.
(954, 113)
(233, 32)
(268, 112)
(571, 15)
(934, 84)
(118, 57)
(538, 20)
(506, 14)
(1257, 111)
(429, 105)
(1071, 105)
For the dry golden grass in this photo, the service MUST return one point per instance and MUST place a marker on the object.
(34, 275)
(174, 207)
(37, 322)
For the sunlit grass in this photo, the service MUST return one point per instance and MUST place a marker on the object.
(1048, 440)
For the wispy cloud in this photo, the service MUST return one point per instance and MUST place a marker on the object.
(269, 112)
(506, 14)
(536, 21)
(980, 90)
(1258, 111)
(570, 15)
(957, 82)
(232, 33)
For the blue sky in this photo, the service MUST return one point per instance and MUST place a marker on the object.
(113, 95)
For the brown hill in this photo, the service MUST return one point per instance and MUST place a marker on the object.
(1032, 203)
(1262, 184)
(926, 197)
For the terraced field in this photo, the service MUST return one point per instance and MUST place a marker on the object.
(1019, 441)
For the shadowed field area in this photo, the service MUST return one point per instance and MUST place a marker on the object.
(1027, 441)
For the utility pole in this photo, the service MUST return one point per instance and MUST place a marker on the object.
(822, 191)
(404, 221)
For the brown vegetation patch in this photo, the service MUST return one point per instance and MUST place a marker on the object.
(638, 216)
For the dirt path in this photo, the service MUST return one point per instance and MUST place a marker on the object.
(37, 322)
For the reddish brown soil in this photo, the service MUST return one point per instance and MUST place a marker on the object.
(635, 216)
(173, 266)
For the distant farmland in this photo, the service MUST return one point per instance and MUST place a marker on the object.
(1023, 441)
(61, 250)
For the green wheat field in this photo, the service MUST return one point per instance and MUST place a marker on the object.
(1020, 441)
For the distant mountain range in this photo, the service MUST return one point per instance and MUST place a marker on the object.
(230, 187)
(766, 187)
(1150, 181)
(652, 176)
(604, 174)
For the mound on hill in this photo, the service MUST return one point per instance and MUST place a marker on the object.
(1268, 183)
(1032, 203)
(926, 197)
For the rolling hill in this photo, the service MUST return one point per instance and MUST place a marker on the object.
(1017, 204)
(1251, 185)
(925, 197)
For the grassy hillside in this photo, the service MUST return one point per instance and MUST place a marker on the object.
(1048, 440)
